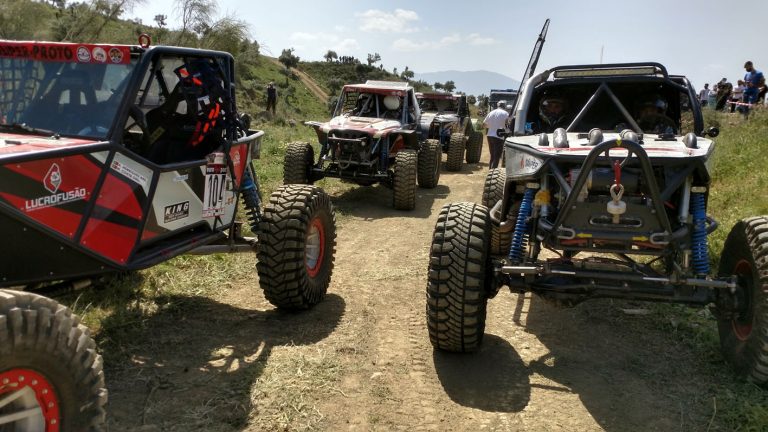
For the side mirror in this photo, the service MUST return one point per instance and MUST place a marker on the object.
(511, 124)
(713, 132)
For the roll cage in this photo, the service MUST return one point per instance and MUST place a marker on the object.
(606, 95)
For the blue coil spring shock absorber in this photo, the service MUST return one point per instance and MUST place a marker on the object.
(520, 235)
(251, 198)
(700, 251)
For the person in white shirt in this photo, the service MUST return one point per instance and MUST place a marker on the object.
(737, 95)
(495, 120)
(704, 95)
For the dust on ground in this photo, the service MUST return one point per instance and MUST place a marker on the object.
(361, 360)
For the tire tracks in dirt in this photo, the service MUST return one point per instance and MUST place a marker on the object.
(307, 81)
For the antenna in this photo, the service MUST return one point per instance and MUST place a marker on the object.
(601, 53)
(535, 55)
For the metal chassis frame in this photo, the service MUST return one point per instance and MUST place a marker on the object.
(638, 282)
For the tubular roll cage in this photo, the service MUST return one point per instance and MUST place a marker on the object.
(660, 74)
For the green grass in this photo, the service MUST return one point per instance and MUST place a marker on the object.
(739, 177)
(294, 101)
(738, 190)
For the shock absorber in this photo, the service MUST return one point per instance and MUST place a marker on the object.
(384, 162)
(520, 235)
(699, 248)
(252, 199)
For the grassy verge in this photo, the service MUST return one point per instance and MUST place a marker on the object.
(738, 190)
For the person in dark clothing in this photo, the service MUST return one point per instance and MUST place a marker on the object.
(271, 97)
(724, 89)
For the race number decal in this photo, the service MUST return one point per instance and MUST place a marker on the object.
(215, 184)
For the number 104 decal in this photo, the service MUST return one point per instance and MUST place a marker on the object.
(215, 186)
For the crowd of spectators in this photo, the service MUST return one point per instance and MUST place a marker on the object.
(747, 93)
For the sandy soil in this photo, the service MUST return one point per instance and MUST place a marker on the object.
(362, 360)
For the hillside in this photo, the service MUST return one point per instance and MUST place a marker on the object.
(332, 75)
(471, 82)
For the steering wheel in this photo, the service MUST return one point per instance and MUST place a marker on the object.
(391, 114)
(652, 122)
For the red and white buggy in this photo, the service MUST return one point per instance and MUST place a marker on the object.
(115, 158)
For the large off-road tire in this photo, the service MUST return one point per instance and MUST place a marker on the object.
(493, 192)
(744, 338)
(50, 373)
(474, 147)
(455, 152)
(404, 182)
(299, 157)
(297, 242)
(457, 288)
(430, 157)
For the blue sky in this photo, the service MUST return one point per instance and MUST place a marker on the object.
(704, 39)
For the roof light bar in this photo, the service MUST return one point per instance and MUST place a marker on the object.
(583, 73)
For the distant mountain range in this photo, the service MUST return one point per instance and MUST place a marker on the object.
(471, 82)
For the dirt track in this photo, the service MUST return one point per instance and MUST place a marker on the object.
(362, 360)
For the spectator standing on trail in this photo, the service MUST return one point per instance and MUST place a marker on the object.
(271, 97)
(753, 79)
(495, 120)
(704, 95)
(737, 95)
(724, 89)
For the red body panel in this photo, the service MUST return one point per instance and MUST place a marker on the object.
(11, 144)
(64, 186)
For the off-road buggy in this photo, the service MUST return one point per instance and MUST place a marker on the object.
(445, 118)
(373, 137)
(611, 205)
(115, 158)
(508, 96)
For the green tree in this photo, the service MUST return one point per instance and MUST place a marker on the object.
(195, 16)
(407, 74)
(449, 86)
(373, 58)
(438, 86)
(88, 20)
(25, 20)
(226, 34)
(331, 56)
(288, 59)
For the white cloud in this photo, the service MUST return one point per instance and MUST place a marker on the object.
(324, 41)
(450, 40)
(399, 21)
(476, 39)
(408, 45)
(347, 45)
(301, 36)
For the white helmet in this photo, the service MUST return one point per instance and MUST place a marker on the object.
(391, 102)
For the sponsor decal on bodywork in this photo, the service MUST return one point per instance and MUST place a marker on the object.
(175, 212)
(51, 182)
(65, 52)
(130, 173)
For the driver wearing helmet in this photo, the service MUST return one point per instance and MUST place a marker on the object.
(553, 112)
(652, 118)
(392, 107)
